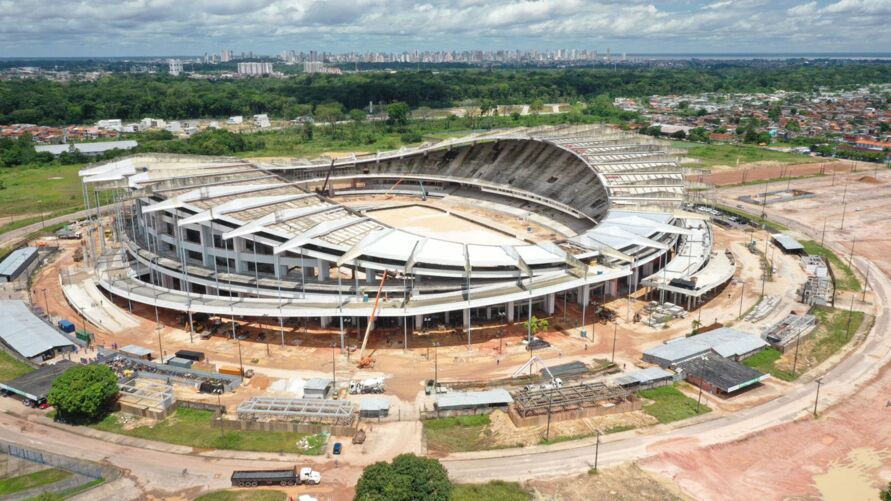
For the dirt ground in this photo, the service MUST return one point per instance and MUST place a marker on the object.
(619, 483)
(505, 434)
(760, 171)
(846, 453)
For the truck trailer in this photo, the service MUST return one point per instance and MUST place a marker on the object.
(248, 478)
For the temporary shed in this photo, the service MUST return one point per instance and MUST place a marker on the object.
(719, 375)
(317, 388)
(474, 400)
(374, 408)
(28, 335)
(16, 263)
(727, 342)
(35, 385)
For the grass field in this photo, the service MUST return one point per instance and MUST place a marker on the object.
(845, 278)
(67, 493)
(710, 155)
(457, 434)
(11, 368)
(766, 360)
(255, 495)
(194, 428)
(493, 491)
(49, 189)
(833, 331)
(669, 404)
(38, 478)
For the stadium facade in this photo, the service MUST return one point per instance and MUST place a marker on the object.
(283, 240)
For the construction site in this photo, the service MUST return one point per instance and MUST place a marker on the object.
(283, 295)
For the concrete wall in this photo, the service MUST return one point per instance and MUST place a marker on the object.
(632, 404)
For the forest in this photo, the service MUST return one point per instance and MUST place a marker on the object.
(132, 97)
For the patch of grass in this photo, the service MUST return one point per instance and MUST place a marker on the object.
(834, 330)
(757, 219)
(67, 493)
(11, 367)
(845, 278)
(457, 434)
(669, 404)
(33, 189)
(564, 438)
(765, 361)
(256, 495)
(496, 490)
(31, 480)
(619, 428)
(195, 428)
(711, 155)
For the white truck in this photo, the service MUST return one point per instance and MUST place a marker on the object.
(308, 476)
(370, 385)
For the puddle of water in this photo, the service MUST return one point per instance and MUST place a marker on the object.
(851, 478)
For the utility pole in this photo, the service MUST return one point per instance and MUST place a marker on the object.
(865, 283)
(699, 399)
(615, 333)
(795, 359)
(220, 405)
(823, 234)
(548, 429)
(596, 450)
(333, 367)
(850, 314)
(435, 365)
(741, 295)
(46, 302)
(817, 398)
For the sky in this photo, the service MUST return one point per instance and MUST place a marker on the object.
(72, 28)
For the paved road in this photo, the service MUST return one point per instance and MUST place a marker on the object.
(859, 368)
(12, 237)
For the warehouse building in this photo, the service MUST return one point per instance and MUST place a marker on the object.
(650, 377)
(17, 263)
(726, 342)
(718, 375)
(474, 400)
(28, 335)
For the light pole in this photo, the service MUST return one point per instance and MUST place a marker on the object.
(220, 405)
(817, 398)
(795, 358)
(596, 450)
(742, 294)
(698, 399)
(333, 366)
(435, 365)
(46, 302)
(548, 429)
(615, 334)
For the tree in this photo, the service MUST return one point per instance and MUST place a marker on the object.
(538, 324)
(407, 478)
(536, 106)
(331, 113)
(398, 113)
(885, 495)
(83, 391)
(357, 115)
(679, 134)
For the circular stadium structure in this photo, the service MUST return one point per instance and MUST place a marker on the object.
(489, 226)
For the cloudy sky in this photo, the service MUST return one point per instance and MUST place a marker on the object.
(180, 27)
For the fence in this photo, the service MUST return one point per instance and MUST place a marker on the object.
(285, 427)
(191, 404)
(85, 468)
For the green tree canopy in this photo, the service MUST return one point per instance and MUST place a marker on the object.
(84, 390)
(407, 478)
(538, 324)
(398, 113)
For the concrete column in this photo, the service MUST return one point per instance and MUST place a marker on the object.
(488, 313)
(324, 321)
(206, 245)
(447, 318)
(550, 303)
(510, 311)
(280, 269)
(238, 246)
(466, 315)
(370, 276)
(419, 321)
(612, 287)
(584, 295)
(324, 270)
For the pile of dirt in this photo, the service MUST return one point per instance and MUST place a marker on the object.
(617, 483)
(869, 180)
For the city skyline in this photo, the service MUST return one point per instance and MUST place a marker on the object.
(155, 28)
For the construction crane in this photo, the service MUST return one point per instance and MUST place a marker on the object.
(368, 361)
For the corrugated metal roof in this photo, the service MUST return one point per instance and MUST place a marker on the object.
(139, 351)
(13, 263)
(27, 334)
(459, 400)
(101, 147)
(724, 341)
(787, 242)
(317, 384)
(643, 376)
(374, 405)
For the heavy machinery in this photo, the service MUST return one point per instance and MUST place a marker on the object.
(365, 362)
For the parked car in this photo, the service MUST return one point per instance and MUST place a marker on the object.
(537, 344)
(338, 448)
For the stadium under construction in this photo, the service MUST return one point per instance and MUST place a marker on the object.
(461, 232)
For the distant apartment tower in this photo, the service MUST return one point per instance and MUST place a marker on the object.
(254, 68)
(225, 56)
(175, 67)
(313, 67)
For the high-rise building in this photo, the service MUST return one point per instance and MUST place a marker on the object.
(254, 68)
(313, 67)
(226, 56)
(175, 67)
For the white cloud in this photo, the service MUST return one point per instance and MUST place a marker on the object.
(159, 27)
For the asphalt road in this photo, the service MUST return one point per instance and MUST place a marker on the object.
(14, 236)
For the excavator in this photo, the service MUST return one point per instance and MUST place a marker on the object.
(366, 362)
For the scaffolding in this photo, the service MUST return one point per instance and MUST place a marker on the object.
(568, 398)
(301, 410)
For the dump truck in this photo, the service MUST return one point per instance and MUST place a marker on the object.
(285, 477)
